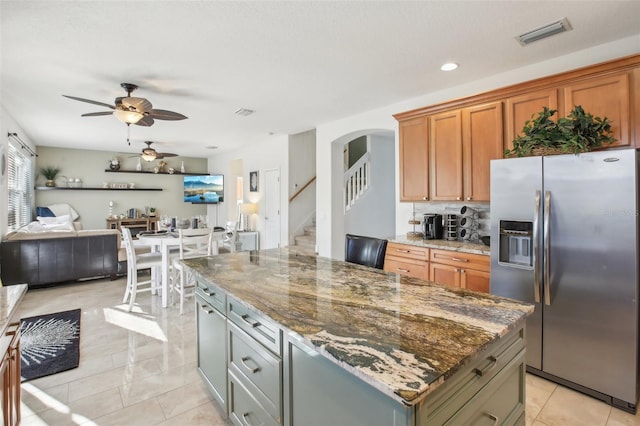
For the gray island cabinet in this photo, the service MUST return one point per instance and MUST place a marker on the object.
(296, 340)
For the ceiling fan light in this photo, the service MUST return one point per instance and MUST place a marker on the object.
(128, 117)
(148, 157)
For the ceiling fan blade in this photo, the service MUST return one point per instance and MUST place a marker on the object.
(95, 114)
(162, 114)
(145, 121)
(89, 101)
(165, 155)
(137, 104)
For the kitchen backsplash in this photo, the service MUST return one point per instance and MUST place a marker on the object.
(480, 221)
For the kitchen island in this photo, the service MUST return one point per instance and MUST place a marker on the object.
(291, 339)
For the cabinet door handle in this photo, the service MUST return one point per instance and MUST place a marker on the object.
(458, 198)
(492, 417)
(468, 198)
(403, 251)
(244, 360)
(457, 259)
(403, 270)
(481, 372)
(205, 310)
(245, 419)
(252, 324)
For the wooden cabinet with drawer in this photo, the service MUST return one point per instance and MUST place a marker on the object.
(405, 259)
(465, 270)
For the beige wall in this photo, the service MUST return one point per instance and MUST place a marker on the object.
(93, 206)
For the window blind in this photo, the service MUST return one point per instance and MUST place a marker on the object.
(19, 180)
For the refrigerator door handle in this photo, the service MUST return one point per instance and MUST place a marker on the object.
(547, 237)
(536, 260)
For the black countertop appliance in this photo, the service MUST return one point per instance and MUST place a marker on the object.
(432, 226)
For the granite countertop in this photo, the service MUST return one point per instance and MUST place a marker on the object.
(10, 297)
(442, 244)
(402, 335)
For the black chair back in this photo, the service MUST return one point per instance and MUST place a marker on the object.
(366, 251)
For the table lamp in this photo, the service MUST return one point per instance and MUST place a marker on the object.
(247, 209)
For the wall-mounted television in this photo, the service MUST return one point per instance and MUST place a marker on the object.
(205, 189)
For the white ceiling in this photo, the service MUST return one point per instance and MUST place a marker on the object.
(298, 64)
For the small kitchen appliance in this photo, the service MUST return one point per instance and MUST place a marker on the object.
(432, 226)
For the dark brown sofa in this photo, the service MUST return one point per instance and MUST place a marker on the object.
(46, 258)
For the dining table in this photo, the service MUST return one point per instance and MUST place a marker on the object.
(163, 242)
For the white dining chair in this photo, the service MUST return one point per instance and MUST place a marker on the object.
(230, 240)
(193, 243)
(135, 263)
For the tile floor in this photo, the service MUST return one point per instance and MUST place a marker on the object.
(139, 368)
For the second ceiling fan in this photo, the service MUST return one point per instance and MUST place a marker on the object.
(150, 154)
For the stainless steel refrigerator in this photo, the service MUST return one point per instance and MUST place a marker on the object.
(564, 236)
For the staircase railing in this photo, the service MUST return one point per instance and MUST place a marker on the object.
(305, 186)
(357, 180)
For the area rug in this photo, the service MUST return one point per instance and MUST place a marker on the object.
(49, 344)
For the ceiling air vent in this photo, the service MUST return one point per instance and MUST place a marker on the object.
(544, 32)
(244, 111)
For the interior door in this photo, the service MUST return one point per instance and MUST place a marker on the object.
(272, 209)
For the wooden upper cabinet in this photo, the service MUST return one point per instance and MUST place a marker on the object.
(522, 108)
(445, 143)
(607, 96)
(482, 130)
(414, 160)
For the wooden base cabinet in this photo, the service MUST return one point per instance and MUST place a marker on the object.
(408, 260)
(464, 270)
(10, 371)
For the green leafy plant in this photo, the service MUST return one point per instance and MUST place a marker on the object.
(49, 172)
(578, 132)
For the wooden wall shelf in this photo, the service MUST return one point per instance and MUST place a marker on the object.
(60, 188)
(154, 173)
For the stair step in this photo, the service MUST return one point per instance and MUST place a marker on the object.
(310, 230)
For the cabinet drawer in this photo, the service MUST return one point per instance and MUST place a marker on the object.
(407, 251)
(478, 262)
(409, 267)
(255, 325)
(212, 295)
(249, 360)
(501, 401)
(447, 400)
(243, 408)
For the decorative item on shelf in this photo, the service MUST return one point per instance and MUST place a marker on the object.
(413, 234)
(161, 165)
(182, 169)
(105, 185)
(50, 173)
(171, 170)
(578, 132)
(111, 204)
(114, 164)
(119, 185)
(132, 185)
(156, 169)
(139, 166)
(74, 183)
(152, 212)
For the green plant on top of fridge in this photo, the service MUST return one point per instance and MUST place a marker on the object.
(579, 132)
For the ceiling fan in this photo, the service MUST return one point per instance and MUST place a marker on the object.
(130, 110)
(150, 154)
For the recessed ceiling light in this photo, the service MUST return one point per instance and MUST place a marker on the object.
(449, 66)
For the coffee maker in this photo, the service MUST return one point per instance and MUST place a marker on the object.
(432, 226)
